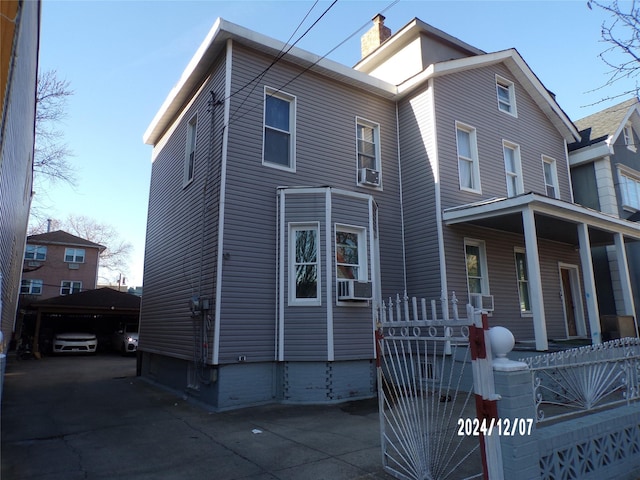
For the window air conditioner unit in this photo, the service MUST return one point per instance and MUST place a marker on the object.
(369, 176)
(481, 302)
(354, 290)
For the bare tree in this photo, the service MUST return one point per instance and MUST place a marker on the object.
(114, 259)
(622, 33)
(51, 160)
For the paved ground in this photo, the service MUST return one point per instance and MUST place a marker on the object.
(67, 418)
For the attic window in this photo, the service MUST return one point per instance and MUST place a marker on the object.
(506, 96)
(627, 131)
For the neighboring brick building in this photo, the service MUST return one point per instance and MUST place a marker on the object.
(58, 263)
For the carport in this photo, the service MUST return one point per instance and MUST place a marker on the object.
(100, 311)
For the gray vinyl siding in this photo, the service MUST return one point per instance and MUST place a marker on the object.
(305, 327)
(470, 97)
(585, 190)
(628, 158)
(325, 156)
(182, 224)
(503, 281)
(16, 159)
(417, 149)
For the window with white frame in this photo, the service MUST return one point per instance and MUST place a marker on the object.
(468, 167)
(190, 154)
(74, 255)
(279, 130)
(522, 276)
(68, 287)
(505, 90)
(550, 177)
(31, 287)
(351, 253)
(35, 252)
(513, 169)
(627, 132)
(629, 189)
(368, 148)
(476, 261)
(304, 261)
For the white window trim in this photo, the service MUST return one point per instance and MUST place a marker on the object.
(523, 313)
(32, 282)
(192, 136)
(75, 260)
(627, 133)
(378, 157)
(363, 263)
(475, 161)
(274, 92)
(293, 301)
(37, 249)
(634, 175)
(484, 285)
(510, 86)
(70, 287)
(554, 173)
(518, 165)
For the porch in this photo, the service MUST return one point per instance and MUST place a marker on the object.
(537, 217)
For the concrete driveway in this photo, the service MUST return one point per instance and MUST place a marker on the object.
(90, 417)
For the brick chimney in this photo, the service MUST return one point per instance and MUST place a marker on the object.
(375, 36)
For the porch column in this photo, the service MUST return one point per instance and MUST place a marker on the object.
(625, 278)
(589, 283)
(535, 281)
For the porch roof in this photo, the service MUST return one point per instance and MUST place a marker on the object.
(553, 217)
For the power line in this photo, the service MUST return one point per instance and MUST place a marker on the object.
(280, 54)
(305, 70)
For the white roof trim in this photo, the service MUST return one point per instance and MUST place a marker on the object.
(590, 153)
(197, 70)
(634, 108)
(541, 204)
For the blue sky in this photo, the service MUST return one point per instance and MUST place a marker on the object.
(123, 57)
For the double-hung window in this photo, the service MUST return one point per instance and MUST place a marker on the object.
(513, 169)
(69, 287)
(304, 261)
(506, 96)
(351, 253)
(74, 255)
(629, 189)
(35, 252)
(550, 177)
(368, 150)
(468, 167)
(476, 260)
(627, 132)
(523, 280)
(279, 130)
(31, 287)
(190, 154)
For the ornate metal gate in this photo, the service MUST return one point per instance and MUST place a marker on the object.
(427, 403)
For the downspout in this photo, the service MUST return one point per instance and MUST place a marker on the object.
(223, 181)
(404, 255)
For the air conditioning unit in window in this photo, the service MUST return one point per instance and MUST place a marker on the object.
(481, 302)
(354, 290)
(369, 176)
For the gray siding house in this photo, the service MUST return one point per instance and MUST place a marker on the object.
(20, 27)
(288, 198)
(605, 168)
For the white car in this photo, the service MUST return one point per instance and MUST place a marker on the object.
(74, 342)
(125, 340)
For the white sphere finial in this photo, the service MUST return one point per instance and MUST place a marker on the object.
(502, 342)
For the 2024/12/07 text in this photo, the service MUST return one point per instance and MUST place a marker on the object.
(473, 427)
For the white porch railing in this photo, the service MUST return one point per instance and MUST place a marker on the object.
(582, 379)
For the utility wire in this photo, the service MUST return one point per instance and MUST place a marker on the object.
(257, 104)
(280, 55)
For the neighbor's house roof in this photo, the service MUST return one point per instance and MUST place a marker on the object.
(60, 237)
(105, 300)
(605, 125)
